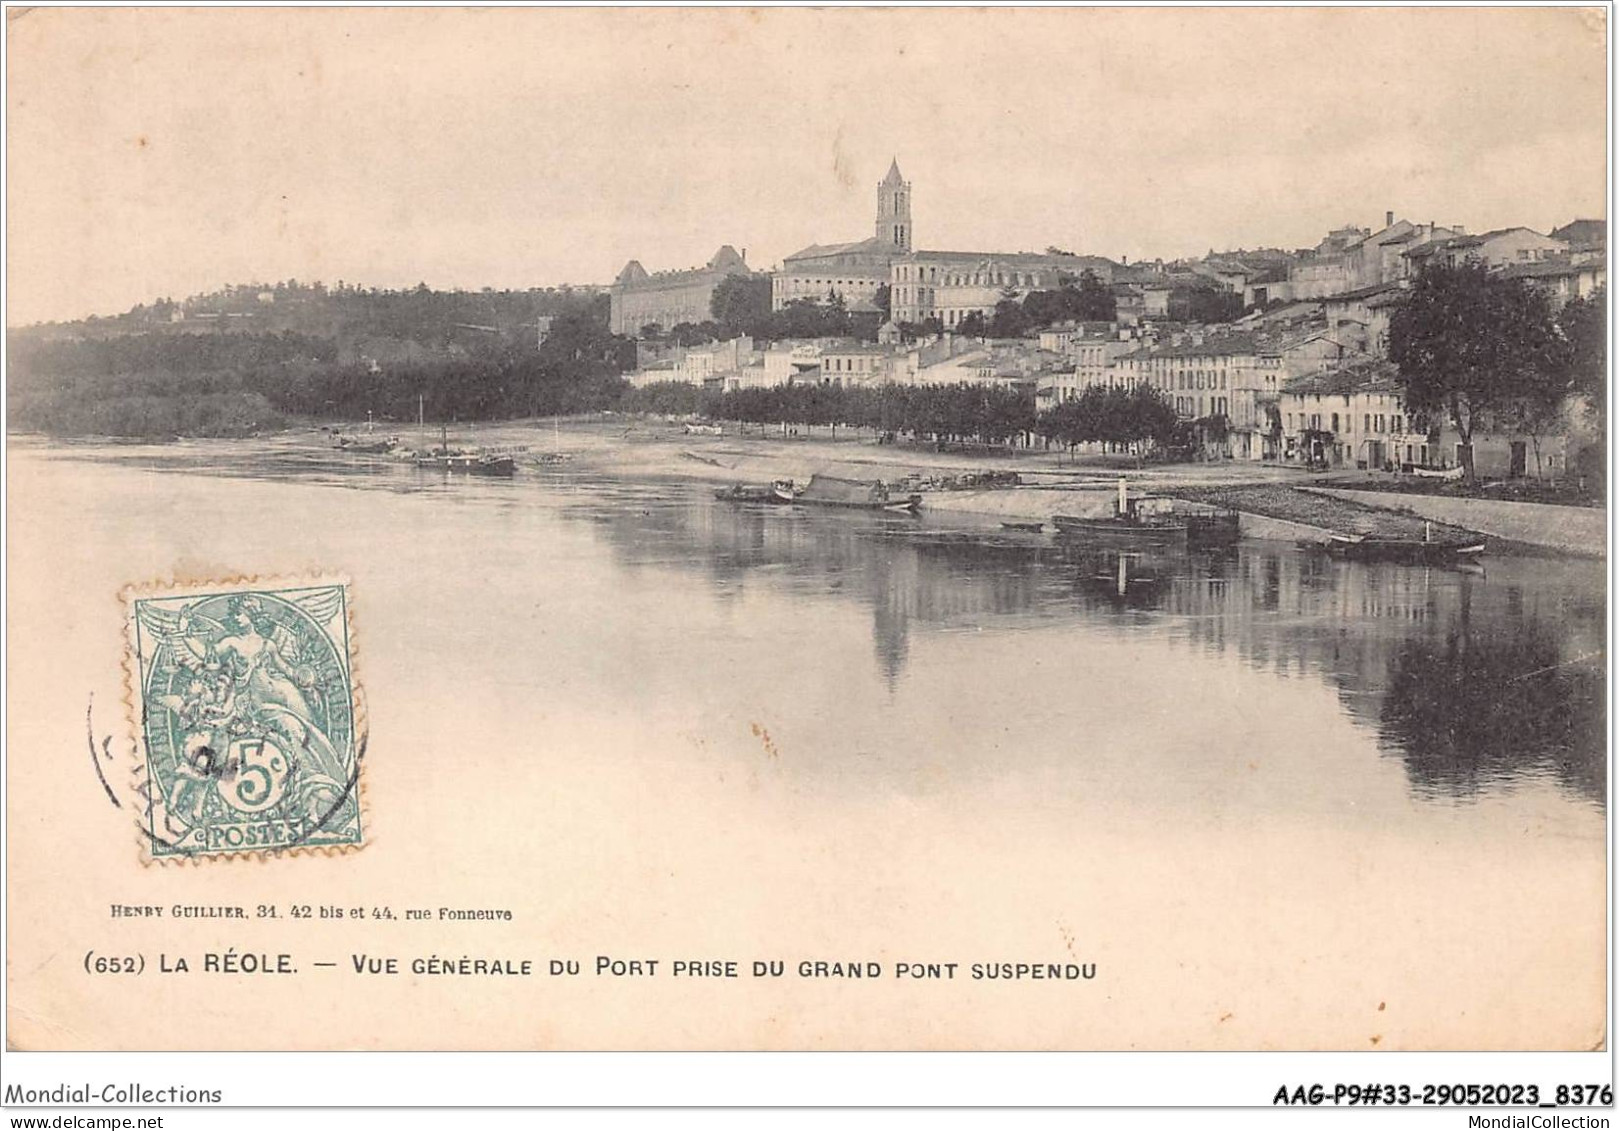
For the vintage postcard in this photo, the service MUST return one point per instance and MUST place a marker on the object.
(807, 529)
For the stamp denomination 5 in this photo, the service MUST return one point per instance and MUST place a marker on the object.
(246, 719)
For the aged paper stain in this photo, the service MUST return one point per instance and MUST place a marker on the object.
(763, 736)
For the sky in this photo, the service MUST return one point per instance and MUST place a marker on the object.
(165, 152)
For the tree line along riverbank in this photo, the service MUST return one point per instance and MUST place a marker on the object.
(172, 385)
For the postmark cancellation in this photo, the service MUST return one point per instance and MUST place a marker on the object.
(247, 718)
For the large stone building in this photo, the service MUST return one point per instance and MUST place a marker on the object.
(1353, 416)
(851, 271)
(1351, 259)
(668, 298)
(947, 285)
(1231, 375)
(950, 285)
(1499, 248)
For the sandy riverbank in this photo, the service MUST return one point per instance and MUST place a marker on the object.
(638, 448)
(1053, 482)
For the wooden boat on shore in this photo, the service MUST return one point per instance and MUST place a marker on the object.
(1407, 551)
(469, 463)
(365, 442)
(1164, 530)
(781, 491)
(1193, 529)
(854, 494)
(1154, 519)
(366, 447)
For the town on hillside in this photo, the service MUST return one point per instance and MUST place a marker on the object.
(1345, 355)
(1264, 354)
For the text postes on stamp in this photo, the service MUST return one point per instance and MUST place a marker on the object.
(246, 718)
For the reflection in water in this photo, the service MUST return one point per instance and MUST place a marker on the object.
(1482, 707)
(1475, 681)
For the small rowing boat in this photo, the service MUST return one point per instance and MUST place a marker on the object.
(366, 447)
(1408, 551)
(781, 491)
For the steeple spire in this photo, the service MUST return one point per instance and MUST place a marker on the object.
(894, 209)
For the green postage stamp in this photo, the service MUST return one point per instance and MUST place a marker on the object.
(247, 718)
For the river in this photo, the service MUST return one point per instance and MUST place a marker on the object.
(1281, 800)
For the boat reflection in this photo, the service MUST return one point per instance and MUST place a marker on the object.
(1474, 680)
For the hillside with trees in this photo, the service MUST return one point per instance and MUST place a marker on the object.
(250, 358)
(235, 361)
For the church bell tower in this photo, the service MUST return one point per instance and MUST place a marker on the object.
(894, 209)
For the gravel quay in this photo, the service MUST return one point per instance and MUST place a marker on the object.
(1341, 516)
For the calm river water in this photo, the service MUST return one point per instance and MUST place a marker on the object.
(1256, 783)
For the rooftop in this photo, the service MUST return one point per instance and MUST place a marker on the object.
(820, 250)
(862, 351)
(1361, 293)
(1404, 237)
(1548, 269)
(724, 261)
(1361, 377)
(1582, 232)
(1214, 345)
(1029, 258)
(1455, 242)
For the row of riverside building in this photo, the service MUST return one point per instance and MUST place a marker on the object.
(1302, 376)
